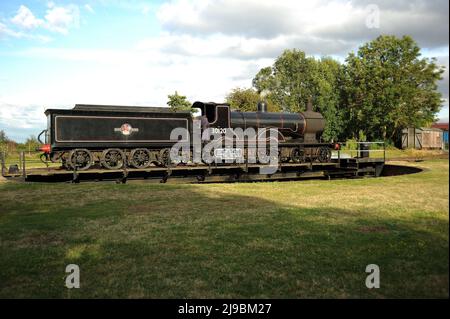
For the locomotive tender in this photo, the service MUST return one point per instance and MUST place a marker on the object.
(114, 136)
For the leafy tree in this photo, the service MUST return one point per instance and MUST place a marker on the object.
(6, 144)
(178, 102)
(246, 99)
(31, 143)
(3, 137)
(387, 86)
(3, 141)
(326, 93)
(294, 78)
(264, 80)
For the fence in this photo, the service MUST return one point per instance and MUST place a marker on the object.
(17, 163)
(363, 150)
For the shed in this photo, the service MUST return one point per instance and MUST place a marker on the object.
(444, 128)
(422, 138)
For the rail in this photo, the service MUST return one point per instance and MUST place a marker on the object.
(347, 150)
(17, 163)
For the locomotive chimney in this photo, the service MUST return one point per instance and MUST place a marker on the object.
(309, 106)
(262, 106)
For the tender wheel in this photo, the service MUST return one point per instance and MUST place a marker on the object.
(112, 158)
(80, 159)
(140, 158)
(298, 155)
(164, 157)
(324, 154)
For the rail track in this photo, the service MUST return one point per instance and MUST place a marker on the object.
(338, 167)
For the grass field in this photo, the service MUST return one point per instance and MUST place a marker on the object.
(280, 239)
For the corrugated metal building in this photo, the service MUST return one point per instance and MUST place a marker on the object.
(422, 138)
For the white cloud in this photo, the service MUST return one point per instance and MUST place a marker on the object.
(89, 8)
(7, 32)
(57, 19)
(20, 116)
(253, 18)
(25, 19)
(60, 19)
(240, 47)
(144, 74)
(426, 21)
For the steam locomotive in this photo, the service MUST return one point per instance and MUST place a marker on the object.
(116, 136)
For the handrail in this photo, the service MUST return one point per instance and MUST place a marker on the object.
(24, 160)
(358, 150)
(39, 137)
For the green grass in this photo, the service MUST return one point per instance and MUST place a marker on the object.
(280, 239)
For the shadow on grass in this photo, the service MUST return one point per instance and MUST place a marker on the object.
(175, 241)
(394, 170)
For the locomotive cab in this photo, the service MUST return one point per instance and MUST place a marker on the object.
(218, 115)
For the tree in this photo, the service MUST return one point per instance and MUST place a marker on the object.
(294, 78)
(326, 93)
(6, 144)
(178, 102)
(387, 86)
(31, 143)
(3, 141)
(3, 137)
(288, 81)
(264, 80)
(247, 100)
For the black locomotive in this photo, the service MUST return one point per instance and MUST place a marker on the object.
(118, 136)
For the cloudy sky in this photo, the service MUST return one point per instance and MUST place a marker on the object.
(59, 53)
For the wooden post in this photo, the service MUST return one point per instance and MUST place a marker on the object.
(24, 171)
(3, 162)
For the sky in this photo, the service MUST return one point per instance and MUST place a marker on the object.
(55, 54)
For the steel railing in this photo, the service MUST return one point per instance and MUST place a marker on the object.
(17, 162)
(356, 153)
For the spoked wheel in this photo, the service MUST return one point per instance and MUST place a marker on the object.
(112, 158)
(80, 159)
(164, 157)
(140, 158)
(324, 154)
(298, 155)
